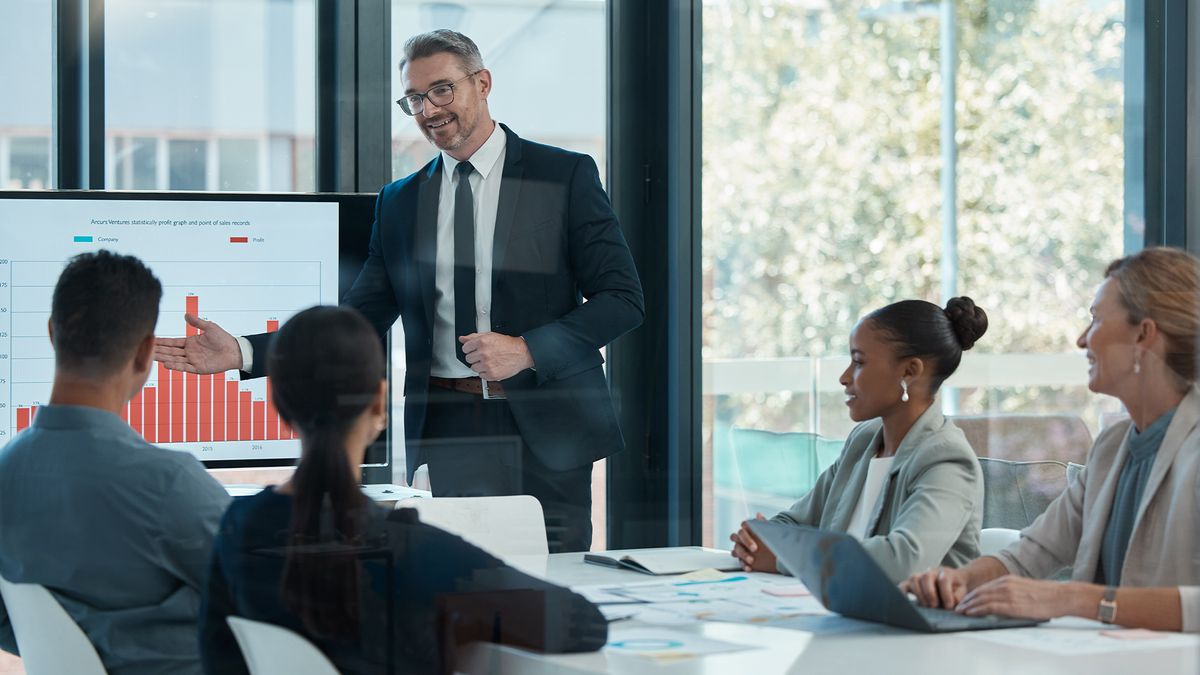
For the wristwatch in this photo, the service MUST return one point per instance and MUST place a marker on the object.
(1108, 605)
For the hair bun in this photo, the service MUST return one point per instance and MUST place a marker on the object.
(969, 322)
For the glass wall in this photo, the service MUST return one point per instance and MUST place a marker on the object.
(548, 63)
(549, 72)
(823, 199)
(26, 113)
(210, 94)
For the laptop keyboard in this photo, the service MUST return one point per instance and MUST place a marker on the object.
(946, 619)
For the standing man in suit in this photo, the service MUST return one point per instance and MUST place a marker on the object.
(486, 254)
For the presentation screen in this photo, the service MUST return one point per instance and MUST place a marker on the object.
(248, 264)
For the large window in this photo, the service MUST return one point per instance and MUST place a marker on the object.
(26, 113)
(824, 197)
(210, 94)
(548, 64)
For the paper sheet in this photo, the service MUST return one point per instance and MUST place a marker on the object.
(1071, 637)
(660, 644)
(735, 598)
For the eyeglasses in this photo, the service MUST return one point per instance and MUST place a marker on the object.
(441, 95)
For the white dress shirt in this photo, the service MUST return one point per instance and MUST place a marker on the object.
(488, 161)
(877, 472)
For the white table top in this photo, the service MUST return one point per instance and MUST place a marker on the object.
(829, 644)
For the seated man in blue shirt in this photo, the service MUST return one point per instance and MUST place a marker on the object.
(119, 530)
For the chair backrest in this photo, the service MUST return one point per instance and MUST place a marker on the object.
(784, 464)
(992, 540)
(49, 639)
(1064, 438)
(274, 650)
(503, 526)
(1073, 470)
(1016, 493)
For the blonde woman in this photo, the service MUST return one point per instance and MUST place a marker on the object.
(1128, 524)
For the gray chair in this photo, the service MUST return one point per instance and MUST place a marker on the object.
(1020, 437)
(1016, 493)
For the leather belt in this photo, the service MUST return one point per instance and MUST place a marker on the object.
(470, 385)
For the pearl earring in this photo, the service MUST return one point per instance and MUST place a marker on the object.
(1137, 366)
(904, 391)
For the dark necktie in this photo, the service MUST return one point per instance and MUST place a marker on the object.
(464, 257)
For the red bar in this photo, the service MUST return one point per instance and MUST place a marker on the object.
(260, 421)
(239, 240)
(125, 413)
(32, 413)
(135, 413)
(273, 423)
(22, 419)
(164, 405)
(272, 416)
(231, 411)
(191, 408)
(192, 302)
(206, 385)
(244, 413)
(149, 424)
(176, 406)
(218, 407)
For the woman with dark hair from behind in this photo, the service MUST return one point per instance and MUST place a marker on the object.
(316, 556)
(907, 484)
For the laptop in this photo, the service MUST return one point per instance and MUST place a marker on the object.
(838, 571)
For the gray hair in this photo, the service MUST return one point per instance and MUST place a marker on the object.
(443, 41)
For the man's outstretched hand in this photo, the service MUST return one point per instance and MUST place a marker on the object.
(214, 350)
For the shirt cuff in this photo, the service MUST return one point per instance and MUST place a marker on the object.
(1189, 601)
(247, 353)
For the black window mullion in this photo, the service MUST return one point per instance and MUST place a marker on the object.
(79, 94)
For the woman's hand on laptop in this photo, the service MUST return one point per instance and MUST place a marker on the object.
(1018, 596)
(943, 587)
(750, 551)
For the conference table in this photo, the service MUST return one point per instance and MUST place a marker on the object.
(820, 642)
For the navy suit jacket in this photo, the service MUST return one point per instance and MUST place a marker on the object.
(557, 242)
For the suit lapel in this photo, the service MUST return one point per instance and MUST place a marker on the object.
(1088, 557)
(427, 211)
(510, 189)
(853, 487)
(931, 420)
(1186, 418)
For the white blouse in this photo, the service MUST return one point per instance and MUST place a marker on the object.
(877, 473)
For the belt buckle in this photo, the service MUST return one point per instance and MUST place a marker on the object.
(488, 395)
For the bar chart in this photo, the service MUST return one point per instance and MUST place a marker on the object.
(184, 407)
(278, 263)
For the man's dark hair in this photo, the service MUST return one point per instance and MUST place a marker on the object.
(104, 305)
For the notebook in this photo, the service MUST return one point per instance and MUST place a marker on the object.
(677, 560)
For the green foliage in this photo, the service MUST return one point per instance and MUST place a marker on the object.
(821, 196)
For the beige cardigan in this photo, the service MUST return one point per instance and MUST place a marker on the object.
(1164, 547)
(929, 510)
